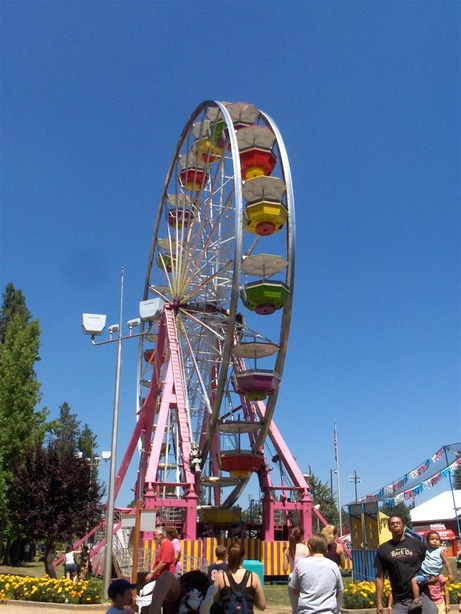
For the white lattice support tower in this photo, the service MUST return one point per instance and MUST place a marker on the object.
(173, 403)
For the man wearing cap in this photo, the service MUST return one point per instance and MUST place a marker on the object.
(165, 555)
(120, 593)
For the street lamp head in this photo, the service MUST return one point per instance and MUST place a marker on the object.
(106, 455)
(114, 328)
(93, 323)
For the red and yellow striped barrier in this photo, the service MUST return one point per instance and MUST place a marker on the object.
(199, 553)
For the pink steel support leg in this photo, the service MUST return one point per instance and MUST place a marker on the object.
(291, 466)
(268, 517)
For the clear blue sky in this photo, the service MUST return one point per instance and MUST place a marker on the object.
(366, 95)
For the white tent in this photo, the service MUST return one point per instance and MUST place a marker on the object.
(438, 508)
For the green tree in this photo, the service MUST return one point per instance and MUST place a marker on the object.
(57, 494)
(87, 442)
(457, 478)
(49, 483)
(398, 510)
(87, 445)
(323, 496)
(14, 303)
(21, 425)
(67, 428)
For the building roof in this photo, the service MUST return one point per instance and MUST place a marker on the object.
(438, 508)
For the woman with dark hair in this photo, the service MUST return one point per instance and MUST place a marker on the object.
(247, 581)
(296, 550)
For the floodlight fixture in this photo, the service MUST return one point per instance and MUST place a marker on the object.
(114, 328)
(106, 455)
(134, 323)
(93, 323)
(151, 310)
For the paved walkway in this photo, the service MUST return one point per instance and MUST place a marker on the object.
(24, 607)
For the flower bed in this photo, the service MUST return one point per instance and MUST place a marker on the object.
(49, 590)
(362, 595)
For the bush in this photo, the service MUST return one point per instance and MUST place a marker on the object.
(362, 595)
(49, 590)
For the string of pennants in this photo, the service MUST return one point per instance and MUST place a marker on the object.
(395, 493)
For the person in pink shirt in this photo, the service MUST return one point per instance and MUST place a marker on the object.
(173, 536)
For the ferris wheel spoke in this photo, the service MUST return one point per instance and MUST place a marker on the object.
(217, 334)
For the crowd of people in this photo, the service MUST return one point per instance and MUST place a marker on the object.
(315, 584)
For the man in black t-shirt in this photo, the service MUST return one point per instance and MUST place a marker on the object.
(401, 558)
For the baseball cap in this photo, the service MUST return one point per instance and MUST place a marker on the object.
(118, 587)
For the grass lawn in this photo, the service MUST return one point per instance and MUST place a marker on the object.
(36, 569)
(276, 594)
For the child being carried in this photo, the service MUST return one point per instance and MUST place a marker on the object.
(431, 568)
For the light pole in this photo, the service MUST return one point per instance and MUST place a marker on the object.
(356, 479)
(94, 325)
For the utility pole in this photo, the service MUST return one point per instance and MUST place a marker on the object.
(356, 479)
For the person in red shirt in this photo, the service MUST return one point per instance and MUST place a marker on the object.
(165, 555)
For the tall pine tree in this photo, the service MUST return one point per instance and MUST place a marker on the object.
(21, 425)
(14, 304)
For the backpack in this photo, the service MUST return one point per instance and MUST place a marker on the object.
(238, 603)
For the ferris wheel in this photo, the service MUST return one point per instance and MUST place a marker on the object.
(220, 272)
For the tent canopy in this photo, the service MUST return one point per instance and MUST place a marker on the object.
(438, 508)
